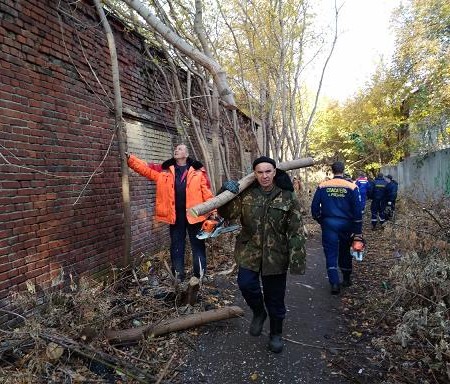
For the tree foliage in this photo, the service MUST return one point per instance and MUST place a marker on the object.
(404, 102)
(421, 63)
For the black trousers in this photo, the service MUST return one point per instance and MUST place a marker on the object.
(178, 247)
(273, 291)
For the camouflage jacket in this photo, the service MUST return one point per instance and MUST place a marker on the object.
(272, 238)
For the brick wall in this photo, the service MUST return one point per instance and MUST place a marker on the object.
(57, 128)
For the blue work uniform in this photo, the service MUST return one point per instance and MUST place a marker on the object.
(336, 206)
(391, 193)
(377, 192)
(363, 185)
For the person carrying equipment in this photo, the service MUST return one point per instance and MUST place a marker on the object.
(271, 242)
(336, 206)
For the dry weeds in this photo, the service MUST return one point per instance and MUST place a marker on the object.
(398, 310)
(60, 338)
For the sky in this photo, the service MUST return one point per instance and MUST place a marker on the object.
(364, 36)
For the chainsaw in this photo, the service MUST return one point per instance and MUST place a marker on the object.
(358, 248)
(214, 227)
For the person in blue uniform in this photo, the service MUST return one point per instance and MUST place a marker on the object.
(363, 185)
(336, 206)
(377, 192)
(390, 196)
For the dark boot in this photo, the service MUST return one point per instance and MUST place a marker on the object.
(347, 281)
(259, 316)
(335, 289)
(276, 341)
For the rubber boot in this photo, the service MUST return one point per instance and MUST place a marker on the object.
(347, 281)
(259, 316)
(276, 341)
(335, 289)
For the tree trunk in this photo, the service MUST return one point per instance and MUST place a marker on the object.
(133, 335)
(120, 133)
(179, 43)
(325, 65)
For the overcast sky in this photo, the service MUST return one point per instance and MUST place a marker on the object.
(364, 36)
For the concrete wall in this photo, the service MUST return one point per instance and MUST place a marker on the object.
(423, 175)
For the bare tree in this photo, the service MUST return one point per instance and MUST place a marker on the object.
(181, 44)
(271, 40)
(120, 133)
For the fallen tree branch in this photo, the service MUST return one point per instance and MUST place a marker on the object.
(133, 335)
(433, 217)
(245, 182)
(164, 371)
(346, 372)
(103, 358)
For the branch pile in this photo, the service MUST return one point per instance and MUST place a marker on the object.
(81, 332)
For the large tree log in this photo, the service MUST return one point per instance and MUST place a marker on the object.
(133, 335)
(227, 196)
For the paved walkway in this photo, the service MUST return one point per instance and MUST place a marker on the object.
(227, 354)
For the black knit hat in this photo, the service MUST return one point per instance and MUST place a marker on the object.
(337, 167)
(264, 159)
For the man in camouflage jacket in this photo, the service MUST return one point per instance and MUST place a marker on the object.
(271, 242)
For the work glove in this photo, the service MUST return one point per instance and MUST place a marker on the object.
(127, 155)
(389, 203)
(357, 236)
(230, 185)
(297, 264)
(213, 216)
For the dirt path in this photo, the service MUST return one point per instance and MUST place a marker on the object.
(227, 354)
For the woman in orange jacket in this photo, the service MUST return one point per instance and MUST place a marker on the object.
(181, 183)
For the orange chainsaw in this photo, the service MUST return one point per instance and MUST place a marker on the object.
(214, 227)
(358, 247)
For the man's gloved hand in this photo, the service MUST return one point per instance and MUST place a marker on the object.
(297, 264)
(230, 185)
(357, 236)
(213, 216)
(297, 268)
(389, 203)
(127, 155)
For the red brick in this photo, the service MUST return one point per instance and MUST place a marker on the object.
(52, 121)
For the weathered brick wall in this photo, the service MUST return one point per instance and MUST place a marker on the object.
(55, 130)
(57, 127)
(155, 146)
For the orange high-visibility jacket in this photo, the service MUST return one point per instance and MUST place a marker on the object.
(197, 187)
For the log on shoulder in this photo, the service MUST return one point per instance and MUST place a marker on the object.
(245, 182)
